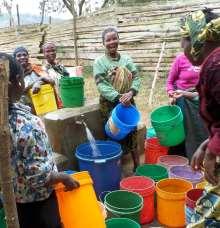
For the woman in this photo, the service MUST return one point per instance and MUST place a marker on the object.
(34, 76)
(117, 82)
(34, 171)
(54, 69)
(182, 80)
(202, 34)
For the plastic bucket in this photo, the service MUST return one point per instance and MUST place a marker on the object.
(155, 172)
(202, 184)
(124, 204)
(168, 124)
(2, 219)
(146, 188)
(81, 203)
(72, 91)
(153, 150)
(121, 223)
(44, 101)
(187, 173)
(171, 201)
(122, 121)
(172, 160)
(191, 198)
(105, 168)
(103, 210)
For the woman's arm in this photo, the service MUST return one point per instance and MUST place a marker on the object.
(173, 76)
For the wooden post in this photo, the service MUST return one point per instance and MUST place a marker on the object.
(5, 150)
(74, 33)
(156, 74)
(18, 15)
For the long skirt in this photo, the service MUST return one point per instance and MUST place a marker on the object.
(195, 129)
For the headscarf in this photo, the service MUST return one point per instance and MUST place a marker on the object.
(20, 49)
(199, 31)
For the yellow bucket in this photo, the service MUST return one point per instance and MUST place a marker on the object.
(80, 208)
(44, 101)
(171, 195)
(202, 184)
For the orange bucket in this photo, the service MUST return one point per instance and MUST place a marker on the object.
(80, 208)
(153, 150)
(171, 195)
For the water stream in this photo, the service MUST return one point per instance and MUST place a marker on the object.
(95, 149)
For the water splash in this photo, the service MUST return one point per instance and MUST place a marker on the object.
(95, 150)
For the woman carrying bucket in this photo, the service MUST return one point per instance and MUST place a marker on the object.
(181, 82)
(34, 76)
(202, 31)
(117, 81)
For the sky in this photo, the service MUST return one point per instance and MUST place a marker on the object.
(32, 7)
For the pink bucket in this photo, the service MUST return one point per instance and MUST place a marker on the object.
(172, 160)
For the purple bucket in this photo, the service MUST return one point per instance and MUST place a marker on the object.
(186, 173)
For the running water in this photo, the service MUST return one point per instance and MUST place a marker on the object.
(95, 150)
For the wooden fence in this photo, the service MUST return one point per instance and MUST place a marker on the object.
(142, 29)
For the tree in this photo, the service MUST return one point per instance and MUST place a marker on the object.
(7, 4)
(49, 6)
(68, 4)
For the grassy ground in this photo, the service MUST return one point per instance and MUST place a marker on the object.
(141, 99)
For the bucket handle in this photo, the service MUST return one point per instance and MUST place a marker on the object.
(100, 161)
(102, 195)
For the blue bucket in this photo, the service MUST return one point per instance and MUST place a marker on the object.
(104, 168)
(122, 121)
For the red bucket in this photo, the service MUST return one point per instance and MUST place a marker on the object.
(153, 150)
(192, 196)
(145, 187)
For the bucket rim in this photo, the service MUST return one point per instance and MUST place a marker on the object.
(143, 191)
(163, 106)
(174, 194)
(187, 167)
(189, 200)
(87, 157)
(171, 156)
(156, 177)
(123, 219)
(122, 123)
(140, 205)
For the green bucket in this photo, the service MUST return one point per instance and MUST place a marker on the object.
(121, 223)
(155, 172)
(72, 91)
(124, 204)
(168, 124)
(2, 219)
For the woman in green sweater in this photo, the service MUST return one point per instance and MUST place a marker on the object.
(117, 81)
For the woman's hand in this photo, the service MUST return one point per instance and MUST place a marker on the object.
(198, 156)
(36, 87)
(47, 79)
(125, 99)
(63, 178)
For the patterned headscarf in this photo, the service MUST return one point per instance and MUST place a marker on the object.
(195, 27)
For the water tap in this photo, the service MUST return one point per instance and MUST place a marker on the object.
(80, 120)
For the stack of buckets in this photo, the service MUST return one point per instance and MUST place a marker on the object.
(72, 91)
